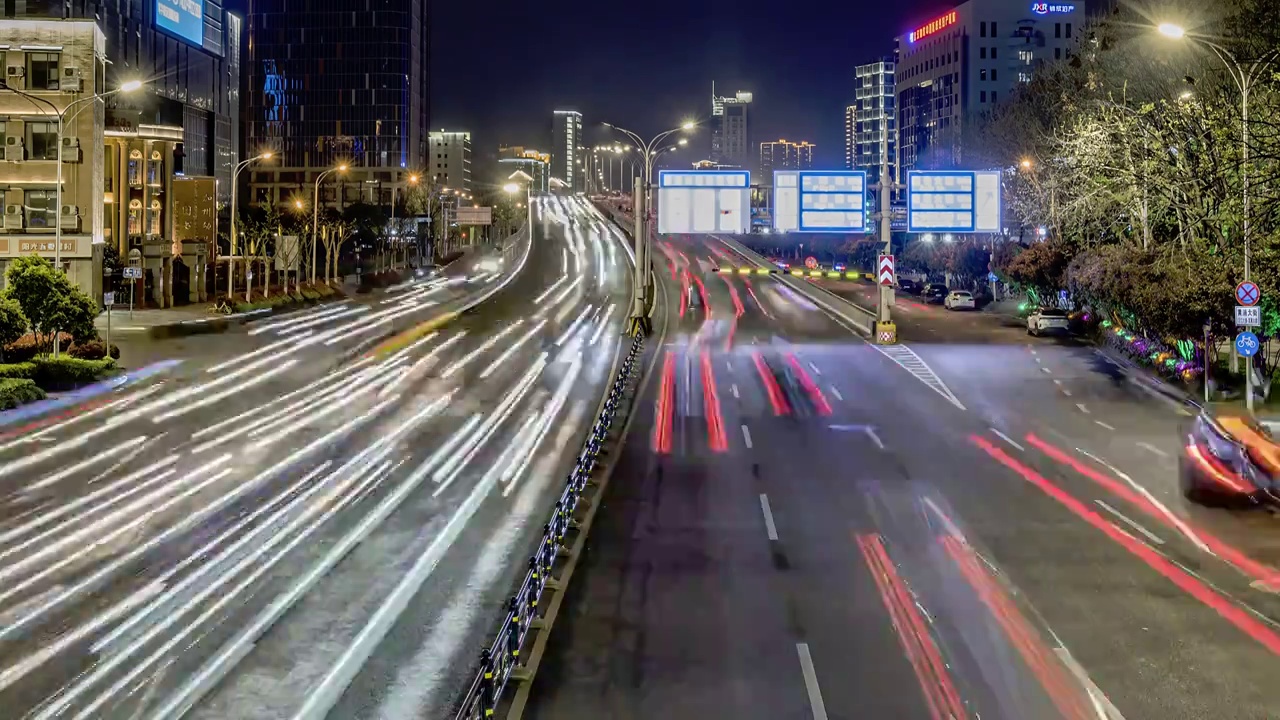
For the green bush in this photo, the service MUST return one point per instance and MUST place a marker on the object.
(13, 324)
(18, 391)
(66, 373)
(17, 371)
(93, 350)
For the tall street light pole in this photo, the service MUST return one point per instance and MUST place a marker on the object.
(1244, 77)
(231, 254)
(639, 323)
(315, 216)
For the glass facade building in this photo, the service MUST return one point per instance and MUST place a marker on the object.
(332, 82)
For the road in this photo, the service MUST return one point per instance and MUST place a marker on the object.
(802, 525)
(322, 524)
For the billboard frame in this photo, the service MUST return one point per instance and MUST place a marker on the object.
(800, 211)
(972, 193)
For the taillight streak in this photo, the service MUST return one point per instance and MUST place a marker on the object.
(1242, 620)
(665, 409)
(811, 387)
(776, 398)
(711, 398)
(913, 634)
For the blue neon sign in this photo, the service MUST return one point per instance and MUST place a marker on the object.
(182, 18)
(1044, 8)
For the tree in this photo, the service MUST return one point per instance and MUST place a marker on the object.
(335, 233)
(255, 231)
(49, 301)
(13, 324)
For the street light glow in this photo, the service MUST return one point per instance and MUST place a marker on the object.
(683, 141)
(689, 125)
(342, 167)
(1026, 164)
(1170, 30)
(130, 85)
(413, 179)
(511, 188)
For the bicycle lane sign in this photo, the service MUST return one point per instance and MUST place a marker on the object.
(1247, 344)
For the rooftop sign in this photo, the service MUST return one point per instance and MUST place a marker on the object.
(934, 26)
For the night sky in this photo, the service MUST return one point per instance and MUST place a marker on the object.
(646, 66)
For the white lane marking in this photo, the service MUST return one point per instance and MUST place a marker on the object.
(836, 393)
(1033, 350)
(1102, 705)
(908, 360)
(1007, 439)
(1057, 381)
(1173, 519)
(1152, 448)
(811, 682)
(1130, 522)
(769, 526)
(1083, 409)
(746, 436)
(734, 388)
(815, 369)
(1105, 425)
(871, 433)
(1039, 360)
(728, 366)
(1047, 371)
(1066, 392)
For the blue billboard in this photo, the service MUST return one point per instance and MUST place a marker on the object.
(953, 201)
(833, 201)
(183, 19)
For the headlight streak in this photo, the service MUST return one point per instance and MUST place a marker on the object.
(551, 288)
(67, 471)
(521, 460)
(510, 351)
(290, 325)
(573, 327)
(559, 298)
(604, 322)
(483, 348)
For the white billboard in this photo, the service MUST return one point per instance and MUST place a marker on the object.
(704, 201)
(832, 201)
(953, 201)
(473, 216)
(786, 200)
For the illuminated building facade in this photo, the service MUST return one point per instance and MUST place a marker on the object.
(874, 121)
(449, 159)
(331, 85)
(784, 155)
(731, 129)
(957, 65)
(568, 151)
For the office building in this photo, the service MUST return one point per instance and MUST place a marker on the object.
(181, 123)
(568, 161)
(731, 129)
(873, 128)
(521, 164)
(449, 159)
(784, 155)
(960, 64)
(328, 88)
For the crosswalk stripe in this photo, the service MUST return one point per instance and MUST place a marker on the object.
(908, 360)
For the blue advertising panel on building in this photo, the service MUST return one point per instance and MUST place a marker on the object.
(833, 201)
(182, 18)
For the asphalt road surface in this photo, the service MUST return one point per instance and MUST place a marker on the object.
(328, 521)
(972, 524)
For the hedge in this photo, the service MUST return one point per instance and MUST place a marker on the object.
(17, 371)
(67, 373)
(18, 391)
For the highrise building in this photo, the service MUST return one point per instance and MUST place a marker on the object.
(731, 129)
(568, 154)
(166, 150)
(874, 126)
(328, 87)
(784, 155)
(449, 159)
(961, 63)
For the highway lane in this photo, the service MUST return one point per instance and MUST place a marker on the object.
(912, 562)
(154, 572)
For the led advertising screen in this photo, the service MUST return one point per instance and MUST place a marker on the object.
(182, 18)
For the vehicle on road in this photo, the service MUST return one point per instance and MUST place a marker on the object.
(1044, 320)
(959, 300)
(934, 293)
(1229, 460)
(908, 285)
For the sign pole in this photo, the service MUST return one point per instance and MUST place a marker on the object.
(1207, 328)
(109, 327)
(132, 284)
(885, 332)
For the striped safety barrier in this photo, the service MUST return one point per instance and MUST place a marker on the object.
(797, 272)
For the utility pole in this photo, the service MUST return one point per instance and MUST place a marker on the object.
(639, 324)
(886, 332)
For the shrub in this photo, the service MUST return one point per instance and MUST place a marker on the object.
(18, 391)
(13, 324)
(67, 373)
(17, 371)
(93, 350)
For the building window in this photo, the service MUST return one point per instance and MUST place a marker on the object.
(993, 53)
(1057, 53)
(993, 96)
(994, 32)
(42, 71)
(42, 141)
(982, 53)
(3, 133)
(994, 75)
(1057, 30)
(39, 208)
(982, 96)
(982, 74)
(982, 29)
(1068, 29)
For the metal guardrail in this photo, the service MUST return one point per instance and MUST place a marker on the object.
(502, 657)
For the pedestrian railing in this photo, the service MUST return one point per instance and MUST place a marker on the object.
(500, 659)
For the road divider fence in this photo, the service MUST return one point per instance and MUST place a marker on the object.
(501, 661)
(796, 272)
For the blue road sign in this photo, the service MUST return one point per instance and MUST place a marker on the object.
(1248, 294)
(953, 201)
(833, 201)
(1247, 344)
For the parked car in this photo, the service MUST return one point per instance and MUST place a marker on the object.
(1045, 320)
(959, 300)
(934, 293)
(909, 286)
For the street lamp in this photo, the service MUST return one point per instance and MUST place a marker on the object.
(231, 256)
(315, 215)
(1244, 77)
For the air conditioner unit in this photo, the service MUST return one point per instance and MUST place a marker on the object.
(12, 217)
(14, 151)
(70, 73)
(15, 71)
(72, 85)
(69, 219)
(71, 150)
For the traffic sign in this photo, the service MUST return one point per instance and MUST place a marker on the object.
(1248, 294)
(133, 273)
(885, 272)
(953, 201)
(108, 299)
(1247, 344)
(1248, 316)
(811, 262)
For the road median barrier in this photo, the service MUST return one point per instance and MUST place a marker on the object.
(516, 647)
(796, 272)
(402, 340)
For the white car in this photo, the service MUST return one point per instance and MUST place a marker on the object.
(1047, 320)
(957, 299)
